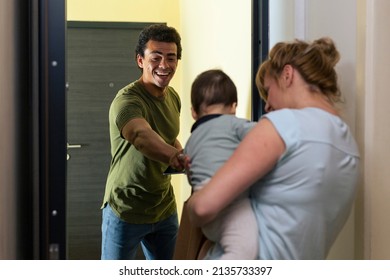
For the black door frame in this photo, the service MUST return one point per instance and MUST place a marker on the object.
(51, 120)
(260, 47)
(49, 129)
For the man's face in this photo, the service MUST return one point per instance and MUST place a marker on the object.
(159, 64)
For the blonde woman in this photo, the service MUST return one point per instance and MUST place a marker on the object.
(300, 161)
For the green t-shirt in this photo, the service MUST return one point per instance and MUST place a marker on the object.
(136, 188)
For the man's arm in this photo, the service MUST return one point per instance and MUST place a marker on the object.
(140, 134)
(178, 146)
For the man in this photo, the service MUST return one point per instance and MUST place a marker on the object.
(139, 204)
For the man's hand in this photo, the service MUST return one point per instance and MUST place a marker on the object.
(177, 160)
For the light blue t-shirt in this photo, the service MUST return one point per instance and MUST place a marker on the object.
(303, 203)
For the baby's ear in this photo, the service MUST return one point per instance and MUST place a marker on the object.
(194, 114)
(233, 108)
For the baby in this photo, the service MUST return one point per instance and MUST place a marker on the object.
(214, 137)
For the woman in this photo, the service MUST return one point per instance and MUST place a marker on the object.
(300, 160)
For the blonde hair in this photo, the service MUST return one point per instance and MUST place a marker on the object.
(314, 61)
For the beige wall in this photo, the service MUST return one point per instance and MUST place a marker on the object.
(125, 10)
(216, 39)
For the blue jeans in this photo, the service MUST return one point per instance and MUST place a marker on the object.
(120, 239)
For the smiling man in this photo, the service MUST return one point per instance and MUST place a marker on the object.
(139, 205)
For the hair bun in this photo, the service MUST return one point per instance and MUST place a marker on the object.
(328, 48)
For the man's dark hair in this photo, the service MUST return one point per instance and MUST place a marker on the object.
(160, 33)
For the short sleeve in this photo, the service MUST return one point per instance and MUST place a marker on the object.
(125, 108)
(286, 125)
(242, 127)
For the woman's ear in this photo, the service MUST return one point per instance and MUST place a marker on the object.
(288, 74)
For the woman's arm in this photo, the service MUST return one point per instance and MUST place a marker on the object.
(256, 155)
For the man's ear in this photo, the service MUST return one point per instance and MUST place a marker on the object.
(140, 61)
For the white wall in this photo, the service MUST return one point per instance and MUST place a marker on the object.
(337, 19)
(282, 21)
(333, 18)
(374, 124)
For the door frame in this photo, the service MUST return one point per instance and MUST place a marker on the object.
(49, 128)
(260, 47)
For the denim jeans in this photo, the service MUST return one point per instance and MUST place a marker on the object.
(120, 239)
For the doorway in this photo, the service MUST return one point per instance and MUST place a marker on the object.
(51, 184)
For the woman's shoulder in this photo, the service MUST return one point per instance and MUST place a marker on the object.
(313, 125)
(297, 117)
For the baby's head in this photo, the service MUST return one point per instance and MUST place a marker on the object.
(213, 92)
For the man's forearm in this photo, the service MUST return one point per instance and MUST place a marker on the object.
(139, 133)
(177, 145)
(149, 143)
